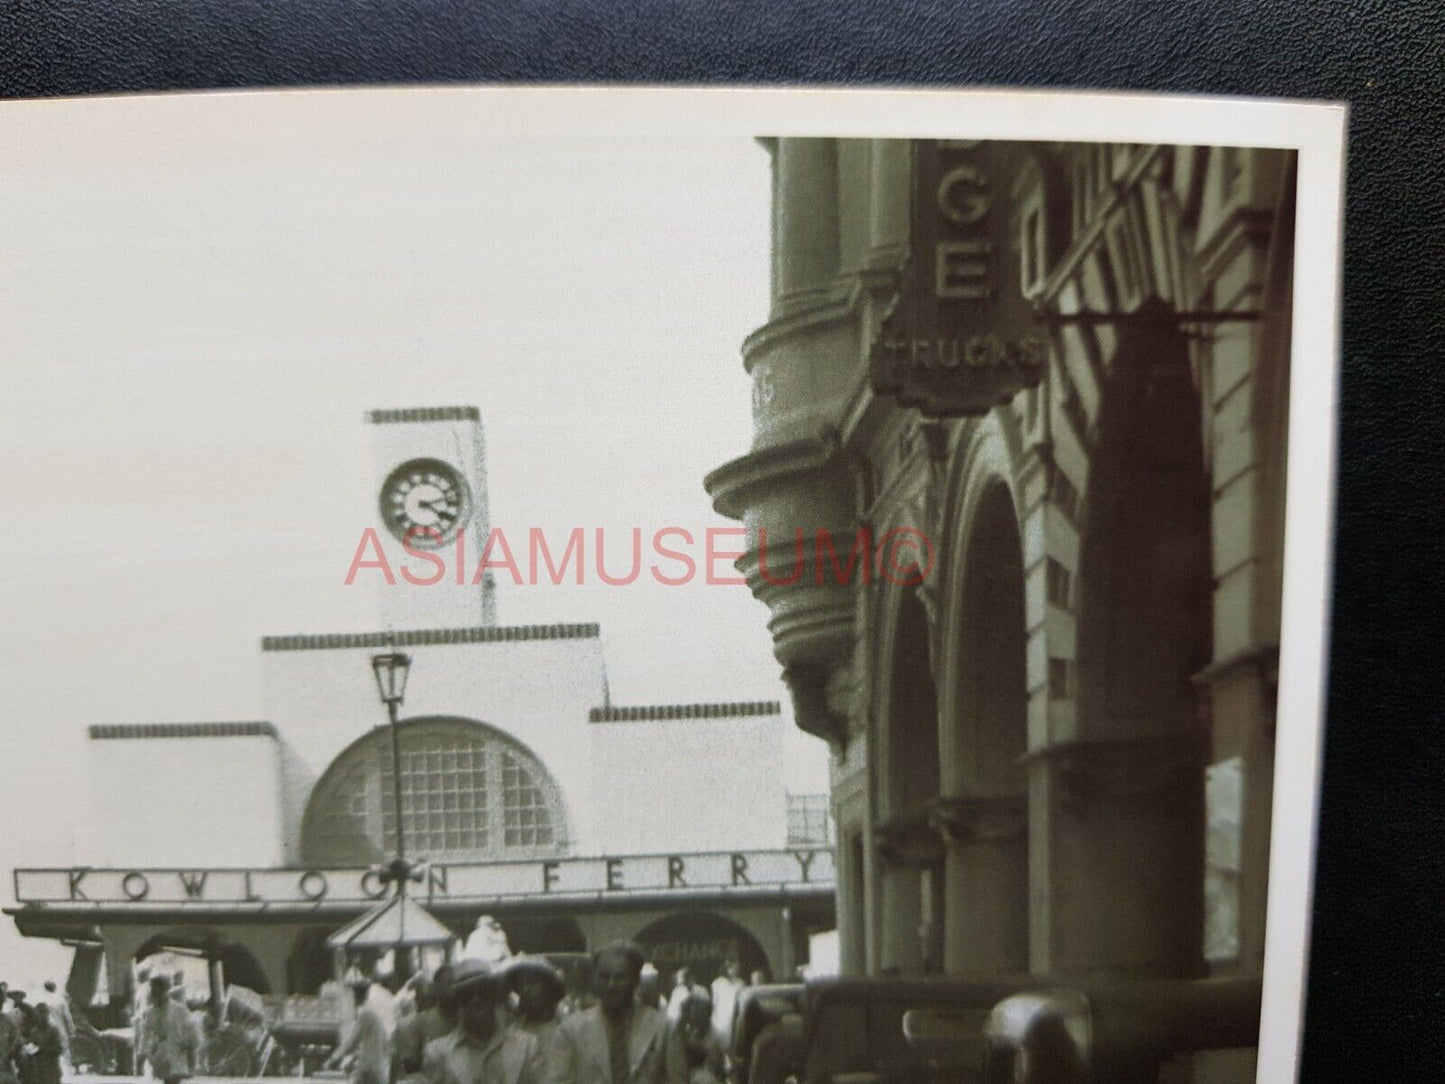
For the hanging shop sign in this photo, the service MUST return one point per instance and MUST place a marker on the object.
(960, 336)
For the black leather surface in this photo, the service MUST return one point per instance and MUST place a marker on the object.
(1377, 1002)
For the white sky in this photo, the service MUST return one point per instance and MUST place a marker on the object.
(199, 297)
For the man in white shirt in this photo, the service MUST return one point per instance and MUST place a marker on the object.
(725, 990)
(369, 1041)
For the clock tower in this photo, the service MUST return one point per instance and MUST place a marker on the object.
(431, 494)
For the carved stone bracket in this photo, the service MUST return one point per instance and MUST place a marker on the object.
(1149, 771)
(813, 708)
(909, 839)
(1263, 660)
(978, 819)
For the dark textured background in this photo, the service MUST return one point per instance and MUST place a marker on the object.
(1377, 985)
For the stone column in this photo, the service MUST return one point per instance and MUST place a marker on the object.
(901, 903)
(889, 218)
(805, 217)
(986, 847)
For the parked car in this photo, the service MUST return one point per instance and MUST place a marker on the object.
(767, 1039)
(1127, 1032)
(853, 1029)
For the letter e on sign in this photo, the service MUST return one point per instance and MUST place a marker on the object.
(961, 270)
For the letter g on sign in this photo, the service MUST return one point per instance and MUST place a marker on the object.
(962, 197)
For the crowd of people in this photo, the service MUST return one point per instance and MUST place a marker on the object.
(34, 1038)
(517, 1022)
(474, 1021)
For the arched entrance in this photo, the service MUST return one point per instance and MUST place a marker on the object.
(542, 934)
(309, 963)
(1129, 835)
(703, 942)
(910, 853)
(237, 965)
(985, 820)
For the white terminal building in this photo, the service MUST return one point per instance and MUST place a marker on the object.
(533, 798)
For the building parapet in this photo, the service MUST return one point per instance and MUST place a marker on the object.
(429, 637)
(425, 414)
(129, 731)
(661, 712)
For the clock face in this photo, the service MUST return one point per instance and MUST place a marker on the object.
(423, 502)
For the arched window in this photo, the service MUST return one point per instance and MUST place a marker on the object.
(469, 792)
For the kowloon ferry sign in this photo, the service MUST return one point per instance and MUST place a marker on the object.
(743, 872)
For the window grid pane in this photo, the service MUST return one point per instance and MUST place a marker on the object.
(810, 821)
(465, 795)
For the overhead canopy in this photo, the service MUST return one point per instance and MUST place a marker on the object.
(399, 922)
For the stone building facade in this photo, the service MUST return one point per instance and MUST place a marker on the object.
(1053, 745)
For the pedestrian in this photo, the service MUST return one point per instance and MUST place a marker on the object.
(446, 1006)
(382, 999)
(481, 1049)
(620, 1040)
(10, 1041)
(538, 988)
(683, 987)
(706, 1061)
(367, 1043)
(42, 1047)
(418, 1028)
(725, 990)
(166, 1037)
(649, 988)
(64, 1018)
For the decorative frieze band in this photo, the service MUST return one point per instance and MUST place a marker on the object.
(129, 731)
(425, 414)
(426, 637)
(657, 712)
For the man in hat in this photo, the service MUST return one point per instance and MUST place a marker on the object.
(481, 1050)
(619, 1041)
(368, 1041)
(539, 989)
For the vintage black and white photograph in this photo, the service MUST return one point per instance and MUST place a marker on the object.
(544, 585)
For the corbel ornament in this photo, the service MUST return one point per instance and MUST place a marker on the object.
(1126, 772)
(908, 839)
(960, 820)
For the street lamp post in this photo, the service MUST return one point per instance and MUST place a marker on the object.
(391, 670)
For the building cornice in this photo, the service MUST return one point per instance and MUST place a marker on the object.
(131, 731)
(819, 307)
(424, 414)
(492, 634)
(732, 484)
(658, 712)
